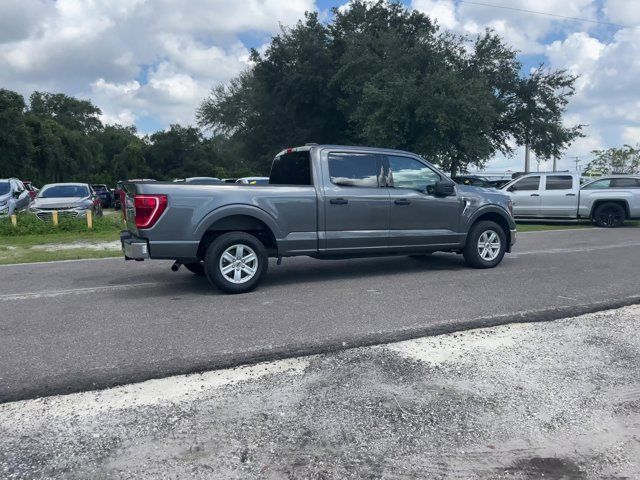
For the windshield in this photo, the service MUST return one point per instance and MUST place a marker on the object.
(4, 188)
(99, 188)
(64, 191)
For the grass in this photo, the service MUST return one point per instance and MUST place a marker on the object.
(35, 241)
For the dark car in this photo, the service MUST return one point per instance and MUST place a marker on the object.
(472, 180)
(103, 193)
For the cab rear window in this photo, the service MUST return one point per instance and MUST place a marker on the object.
(292, 168)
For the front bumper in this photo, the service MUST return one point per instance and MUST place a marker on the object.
(133, 248)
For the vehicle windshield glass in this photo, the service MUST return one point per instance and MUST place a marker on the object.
(99, 188)
(291, 169)
(64, 191)
(4, 188)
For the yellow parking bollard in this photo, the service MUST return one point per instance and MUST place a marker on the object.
(89, 219)
(14, 220)
(54, 217)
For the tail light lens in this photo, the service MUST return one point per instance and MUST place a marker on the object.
(148, 209)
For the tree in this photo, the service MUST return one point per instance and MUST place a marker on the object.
(285, 99)
(74, 114)
(15, 138)
(625, 160)
(538, 104)
(379, 74)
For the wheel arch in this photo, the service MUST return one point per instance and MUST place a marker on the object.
(239, 218)
(601, 201)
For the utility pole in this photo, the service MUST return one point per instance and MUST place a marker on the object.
(555, 163)
(526, 158)
(577, 162)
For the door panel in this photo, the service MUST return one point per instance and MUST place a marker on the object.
(525, 194)
(356, 206)
(419, 218)
(559, 197)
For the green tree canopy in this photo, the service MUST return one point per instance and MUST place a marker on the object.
(624, 160)
(380, 74)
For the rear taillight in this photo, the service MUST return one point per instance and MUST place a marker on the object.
(148, 209)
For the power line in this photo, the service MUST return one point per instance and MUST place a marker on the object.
(522, 10)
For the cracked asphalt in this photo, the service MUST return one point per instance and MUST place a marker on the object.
(558, 400)
(73, 326)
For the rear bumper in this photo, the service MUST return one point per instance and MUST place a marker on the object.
(133, 248)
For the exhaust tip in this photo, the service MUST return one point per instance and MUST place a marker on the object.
(175, 267)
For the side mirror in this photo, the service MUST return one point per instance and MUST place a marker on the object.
(444, 189)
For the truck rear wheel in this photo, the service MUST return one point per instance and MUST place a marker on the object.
(235, 262)
(609, 215)
(486, 245)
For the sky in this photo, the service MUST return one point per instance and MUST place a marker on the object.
(150, 63)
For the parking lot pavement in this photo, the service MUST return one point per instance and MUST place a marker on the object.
(557, 400)
(73, 326)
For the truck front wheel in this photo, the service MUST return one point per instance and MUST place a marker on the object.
(486, 245)
(235, 262)
(609, 215)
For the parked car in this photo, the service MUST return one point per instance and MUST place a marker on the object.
(104, 194)
(253, 180)
(68, 199)
(323, 202)
(33, 191)
(608, 201)
(472, 180)
(14, 197)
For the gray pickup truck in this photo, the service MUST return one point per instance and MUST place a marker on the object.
(322, 201)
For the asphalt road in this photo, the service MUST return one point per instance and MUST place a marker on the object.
(71, 326)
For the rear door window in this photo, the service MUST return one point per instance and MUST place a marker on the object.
(625, 183)
(355, 169)
(559, 182)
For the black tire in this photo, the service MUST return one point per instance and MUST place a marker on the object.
(216, 250)
(609, 215)
(471, 249)
(195, 267)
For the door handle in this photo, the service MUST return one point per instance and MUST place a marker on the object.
(535, 194)
(571, 194)
(338, 201)
(402, 201)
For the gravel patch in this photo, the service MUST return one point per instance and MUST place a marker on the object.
(557, 400)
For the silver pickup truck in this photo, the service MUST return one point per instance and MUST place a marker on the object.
(608, 201)
(321, 201)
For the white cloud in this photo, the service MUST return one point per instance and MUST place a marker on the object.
(625, 12)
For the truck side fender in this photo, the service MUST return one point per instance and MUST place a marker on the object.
(492, 210)
(233, 210)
